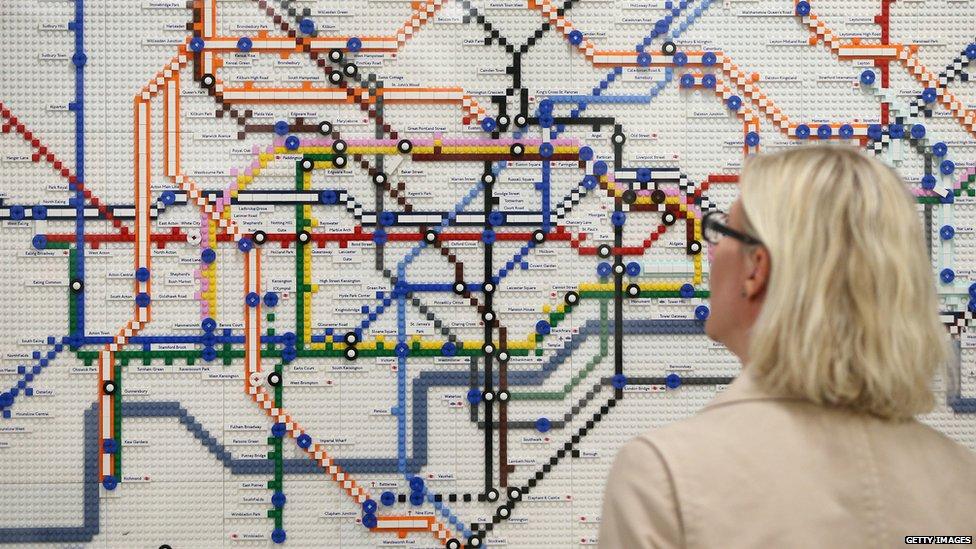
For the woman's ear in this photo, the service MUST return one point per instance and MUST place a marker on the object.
(758, 279)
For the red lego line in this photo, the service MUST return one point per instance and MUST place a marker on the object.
(41, 151)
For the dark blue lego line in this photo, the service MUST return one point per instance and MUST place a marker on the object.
(545, 189)
(954, 399)
(79, 59)
(299, 466)
(89, 505)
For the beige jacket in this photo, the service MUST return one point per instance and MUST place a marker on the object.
(756, 470)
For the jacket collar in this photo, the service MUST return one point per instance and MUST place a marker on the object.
(745, 388)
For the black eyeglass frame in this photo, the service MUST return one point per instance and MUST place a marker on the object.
(710, 221)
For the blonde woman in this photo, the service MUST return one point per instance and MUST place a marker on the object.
(822, 287)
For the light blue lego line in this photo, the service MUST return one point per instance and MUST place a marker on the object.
(400, 411)
(597, 97)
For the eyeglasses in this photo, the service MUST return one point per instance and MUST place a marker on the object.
(715, 225)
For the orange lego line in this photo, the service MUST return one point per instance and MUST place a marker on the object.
(168, 79)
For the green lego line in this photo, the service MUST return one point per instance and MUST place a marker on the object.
(228, 354)
(117, 409)
(277, 449)
(319, 156)
(300, 289)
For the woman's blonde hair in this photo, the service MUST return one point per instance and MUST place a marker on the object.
(850, 317)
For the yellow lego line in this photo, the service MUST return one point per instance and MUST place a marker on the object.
(210, 271)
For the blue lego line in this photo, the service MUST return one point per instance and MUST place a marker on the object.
(401, 415)
(299, 466)
(28, 374)
(405, 288)
(415, 251)
(631, 99)
(597, 95)
(395, 221)
(44, 359)
(958, 403)
(89, 499)
(368, 318)
(79, 59)
(453, 378)
(400, 412)
(197, 340)
(961, 405)
(511, 263)
(545, 189)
